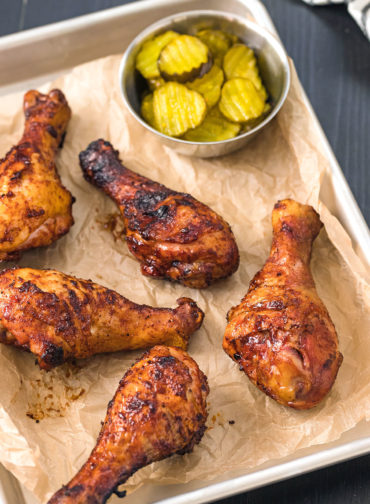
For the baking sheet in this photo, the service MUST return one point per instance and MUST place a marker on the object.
(213, 202)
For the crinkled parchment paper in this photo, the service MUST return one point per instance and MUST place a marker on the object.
(286, 160)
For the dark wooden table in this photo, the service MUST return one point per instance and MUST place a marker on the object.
(332, 57)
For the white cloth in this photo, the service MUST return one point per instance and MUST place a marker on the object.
(359, 10)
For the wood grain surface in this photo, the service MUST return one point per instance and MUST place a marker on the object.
(332, 57)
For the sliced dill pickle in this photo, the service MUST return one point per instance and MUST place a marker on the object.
(155, 83)
(209, 86)
(257, 120)
(240, 61)
(247, 126)
(240, 101)
(147, 58)
(214, 128)
(257, 81)
(266, 109)
(184, 59)
(218, 42)
(147, 111)
(177, 108)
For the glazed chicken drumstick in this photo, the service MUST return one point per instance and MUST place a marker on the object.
(59, 317)
(281, 334)
(35, 208)
(173, 235)
(159, 409)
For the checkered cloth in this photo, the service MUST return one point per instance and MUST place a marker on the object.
(359, 10)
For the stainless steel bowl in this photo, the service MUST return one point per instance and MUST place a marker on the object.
(272, 61)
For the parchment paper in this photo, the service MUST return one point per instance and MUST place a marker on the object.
(286, 160)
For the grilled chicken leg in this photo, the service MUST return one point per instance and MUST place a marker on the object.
(35, 208)
(159, 409)
(173, 235)
(281, 334)
(58, 317)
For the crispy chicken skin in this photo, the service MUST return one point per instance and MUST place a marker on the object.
(281, 334)
(159, 409)
(35, 208)
(58, 317)
(172, 235)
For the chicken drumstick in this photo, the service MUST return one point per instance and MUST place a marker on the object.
(281, 334)
(58, 317)
(173, 235)
(158, 410)
(35, 208)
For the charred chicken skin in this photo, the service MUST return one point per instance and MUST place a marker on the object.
(281, 334)
(158, 410)
(172, 235)
(35, 208)
(58, 317)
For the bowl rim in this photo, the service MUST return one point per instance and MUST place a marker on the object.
(161, 24)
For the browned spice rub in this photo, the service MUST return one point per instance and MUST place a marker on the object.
(281, 334)
(158, 410)
(35, 208)
(59, 317)
(172, 235)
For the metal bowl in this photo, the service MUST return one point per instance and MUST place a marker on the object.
(272, 61)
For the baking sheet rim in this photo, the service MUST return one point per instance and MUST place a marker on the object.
(359, 233)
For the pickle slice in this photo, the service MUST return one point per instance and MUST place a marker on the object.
(184, 59)
(177, 108)
(240, 101)
(147, 111)
(248, 125)
(240, 61)
(214, 128)
(217, 41)
(155, 83)
(147, 58)
(209, 86)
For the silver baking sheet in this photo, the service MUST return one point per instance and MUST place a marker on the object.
(28, 59)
